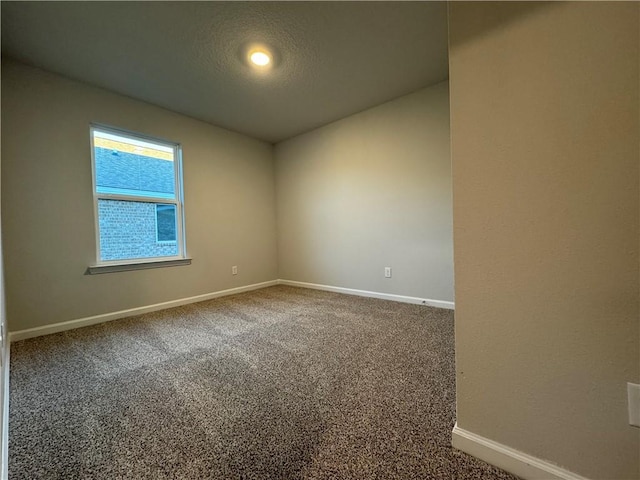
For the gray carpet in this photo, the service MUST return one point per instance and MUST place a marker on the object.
(280, 383)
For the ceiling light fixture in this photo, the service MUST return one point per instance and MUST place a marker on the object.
(260, 58)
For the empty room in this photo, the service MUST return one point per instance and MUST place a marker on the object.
(320, 240)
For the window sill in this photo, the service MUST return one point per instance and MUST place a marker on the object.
(124, 267)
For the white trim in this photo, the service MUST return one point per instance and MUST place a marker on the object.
(4, 454)
(141, 265)
(521, 464)
(107, 317)
(365, 293)
(178, 199)
(135, 198)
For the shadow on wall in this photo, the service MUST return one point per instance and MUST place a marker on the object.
(508, 13)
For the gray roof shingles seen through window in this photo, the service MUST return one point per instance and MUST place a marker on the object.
(122, 170)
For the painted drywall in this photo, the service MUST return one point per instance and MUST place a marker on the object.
(369, 191)
(4, 366)
(4, 377)
(544, 128)
(47, 203)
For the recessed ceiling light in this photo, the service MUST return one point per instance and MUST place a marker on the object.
(260, 58)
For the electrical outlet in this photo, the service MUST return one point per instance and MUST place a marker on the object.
(387, 272)
(633, 394)
(234, 270)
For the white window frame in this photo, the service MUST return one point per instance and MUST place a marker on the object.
(104, 266)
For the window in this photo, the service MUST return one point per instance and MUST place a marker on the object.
(138, 198)
(166, 223)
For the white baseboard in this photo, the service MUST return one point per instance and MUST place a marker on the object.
(365, 293)
(507, 458)
(106, 317)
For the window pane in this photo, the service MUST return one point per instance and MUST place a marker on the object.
(133, 167)
(128, 230)
(166, 223)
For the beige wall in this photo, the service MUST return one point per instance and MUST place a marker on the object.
(544, 125)
(4, 368)
(47, 206)
(369, 191)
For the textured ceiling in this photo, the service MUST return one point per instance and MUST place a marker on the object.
(332, 59)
